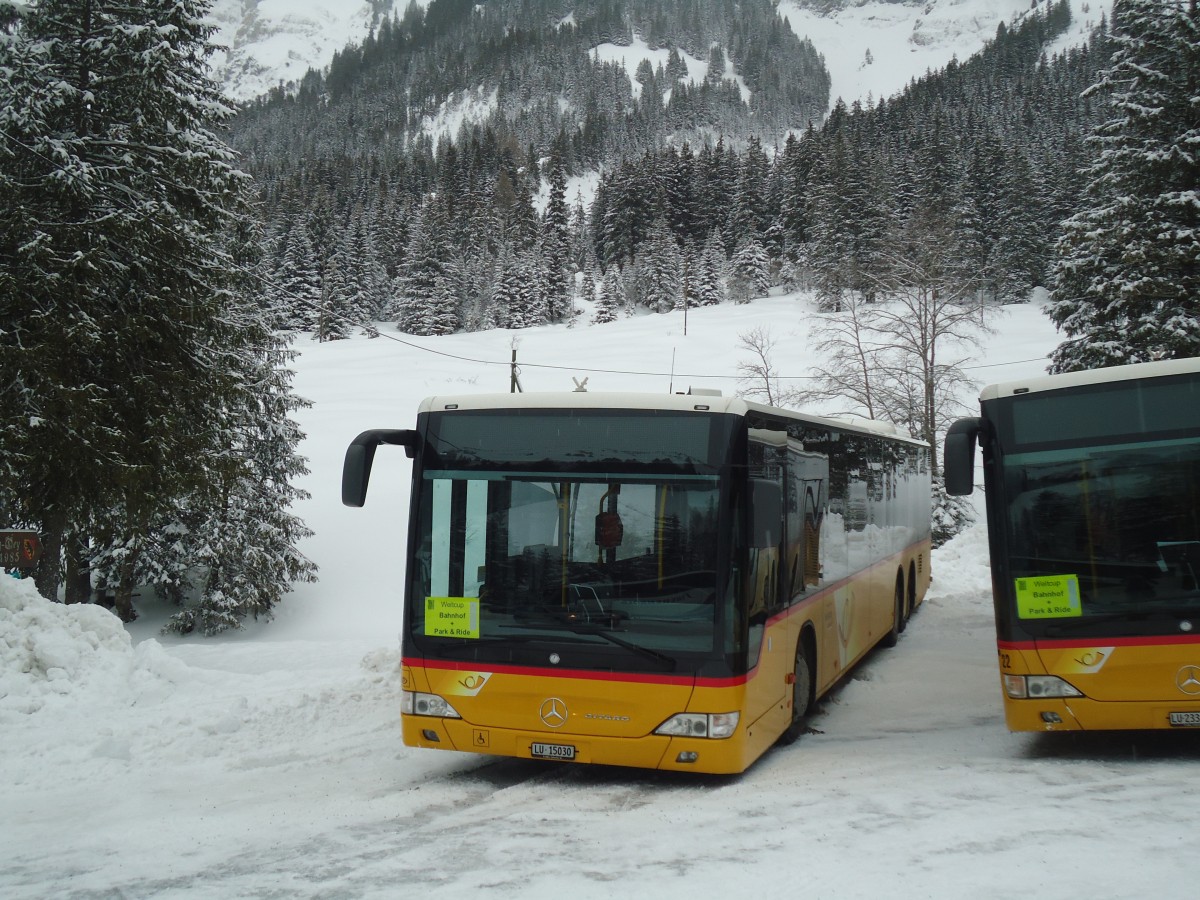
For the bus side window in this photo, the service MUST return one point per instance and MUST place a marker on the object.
(808, 476)
(766, 540)
(767, 505)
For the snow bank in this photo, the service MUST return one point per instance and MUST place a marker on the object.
(961, 570)
(51, 652)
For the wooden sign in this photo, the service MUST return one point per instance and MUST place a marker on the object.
(19, 549)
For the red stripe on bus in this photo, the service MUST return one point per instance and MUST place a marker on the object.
(1067, 643)
(583, 674)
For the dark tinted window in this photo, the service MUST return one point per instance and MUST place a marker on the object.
(1085, 414)
(697, 442)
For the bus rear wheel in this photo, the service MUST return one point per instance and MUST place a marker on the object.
(892, 637)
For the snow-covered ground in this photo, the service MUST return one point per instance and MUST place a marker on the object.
(268, 763)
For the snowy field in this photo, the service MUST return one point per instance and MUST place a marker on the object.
(268, 763)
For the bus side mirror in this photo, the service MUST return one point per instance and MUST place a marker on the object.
(958, 456)
(766, 504)
(356, 469)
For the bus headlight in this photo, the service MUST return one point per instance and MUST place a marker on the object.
(714, 725)
(1036, 687)
(414, 703)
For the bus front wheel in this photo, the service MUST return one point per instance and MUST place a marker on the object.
(802, 694)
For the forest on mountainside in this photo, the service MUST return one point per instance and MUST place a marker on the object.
(987, 152)
(368, 219)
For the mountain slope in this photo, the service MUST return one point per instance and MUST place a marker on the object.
(276, 41)
(873, 48)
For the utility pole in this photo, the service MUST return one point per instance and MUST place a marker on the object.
(514, 380)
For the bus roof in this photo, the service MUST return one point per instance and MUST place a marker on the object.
(1091, 376)
(705, 402)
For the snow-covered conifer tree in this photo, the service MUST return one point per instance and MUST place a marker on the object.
(659, 268)
(426, 301)
(751, 270)
(1126, 278)
(611, 299)
(505, 301)
(131, 352)
(556, 247)
(711, 274)
(339, 296)
(298, 279)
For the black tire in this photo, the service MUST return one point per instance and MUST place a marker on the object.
(910, 596)
(892, 637)
(802, 695)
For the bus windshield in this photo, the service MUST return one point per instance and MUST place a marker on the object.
(1113, 529)
(604, 566)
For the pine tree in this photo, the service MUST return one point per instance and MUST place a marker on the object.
(368, 273)
(1126, 279)
(750, 267)
(530, 309)
(426, 301)
(505, 300)
(711, 275)
(749, 218)
(659, 269)
(831, 219)
(587, 288)
(556, 247)
(339, 296)
(131, 352)
(245, 539)
(796, 164)
(682, 204)
(298, 280)
(611, 299)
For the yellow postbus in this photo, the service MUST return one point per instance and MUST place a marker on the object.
(664, 581)
(1093, 506)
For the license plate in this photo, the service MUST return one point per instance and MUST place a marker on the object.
(562, 751)
(1185, 719)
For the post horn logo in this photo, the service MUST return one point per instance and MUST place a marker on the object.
(553, 712)
(1188, 680)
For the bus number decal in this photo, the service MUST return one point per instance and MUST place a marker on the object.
(452, 617)
(1048, 597)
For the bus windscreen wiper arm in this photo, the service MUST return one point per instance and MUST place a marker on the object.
(581, 628)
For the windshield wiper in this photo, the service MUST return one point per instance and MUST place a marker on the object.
(584, 628)
(588, 628)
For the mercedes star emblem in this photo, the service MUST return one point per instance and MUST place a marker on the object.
(553, 711)
(1188, 679)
